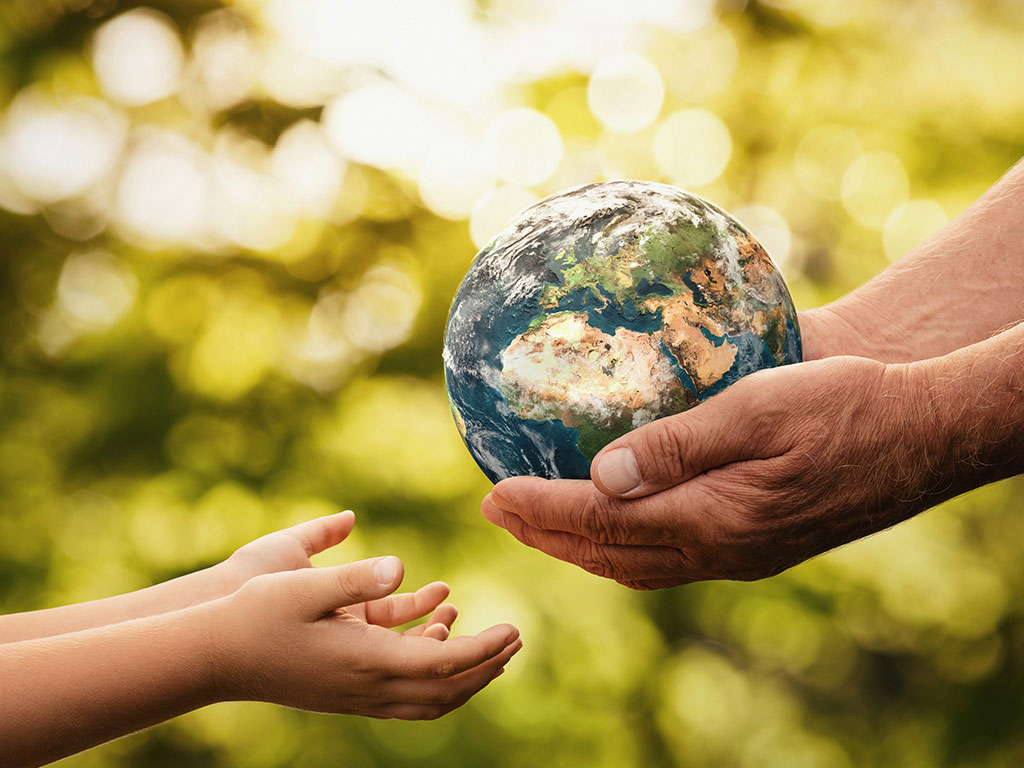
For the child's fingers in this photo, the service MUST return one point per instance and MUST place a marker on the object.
(412, 657)
(323, 532)
(433, 631)
(398, 609)
(439, 625)
(454, 691)
(323, 590)
(446, 614)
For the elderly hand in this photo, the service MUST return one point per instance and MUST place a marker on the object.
(783, 465)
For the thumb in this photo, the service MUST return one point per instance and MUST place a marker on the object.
(725, 428)
(327, 589)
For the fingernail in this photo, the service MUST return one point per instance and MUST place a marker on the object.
(386, 569)
(617, 470)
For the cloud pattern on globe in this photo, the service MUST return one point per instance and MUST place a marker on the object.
(598, 310)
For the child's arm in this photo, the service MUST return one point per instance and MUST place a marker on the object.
(284, 550)
(287, 637)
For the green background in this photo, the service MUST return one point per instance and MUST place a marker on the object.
(148, 440)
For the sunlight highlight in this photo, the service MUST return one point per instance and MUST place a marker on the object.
(625, 92)
(52, 151)
(138, 57)
(165, 190)
(523, 146)
(692, 147)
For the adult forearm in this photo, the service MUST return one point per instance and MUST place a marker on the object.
(185, 591)
(60, 695)
(955, 289)
(974, 399)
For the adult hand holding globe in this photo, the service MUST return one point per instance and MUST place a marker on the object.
(900, 405)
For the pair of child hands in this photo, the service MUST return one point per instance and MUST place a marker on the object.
(323, 639)
(263, 625)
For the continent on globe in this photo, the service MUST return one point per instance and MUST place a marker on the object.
(598, 310)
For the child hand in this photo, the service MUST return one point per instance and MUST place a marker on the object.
(285, 550)
(315, 638)
(291, 548)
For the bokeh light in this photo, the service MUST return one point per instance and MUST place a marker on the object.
(911, 224)
(700, 65)
(379, 124)
(51, 152)
(692, 147)
(523, 146)
(625, 92)
(225, 62)
(492, 212)
(309, 174)
(138, 57)
(454, 176)
(381, 312)
(95, 289)
(247, 207)
(873, 186)
(164, 191)
(823, 157)
(627, 156)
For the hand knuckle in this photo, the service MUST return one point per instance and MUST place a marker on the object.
(444, 666)
(350, 582)
(520, 530)
(371, 663)
(713, 540)
(305, 540)
(595, 519)
(592, 559)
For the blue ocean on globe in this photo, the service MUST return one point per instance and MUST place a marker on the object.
(598, 310)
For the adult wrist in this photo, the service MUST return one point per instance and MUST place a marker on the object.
(852, 326)
(835, 330)
(972, 403)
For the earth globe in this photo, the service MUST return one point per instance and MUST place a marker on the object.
(598, 310)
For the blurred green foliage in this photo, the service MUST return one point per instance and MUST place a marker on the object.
(213, 340)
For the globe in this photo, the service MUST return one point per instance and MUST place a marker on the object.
(598, 310)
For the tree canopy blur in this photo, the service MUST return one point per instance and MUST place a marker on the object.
(232, 232)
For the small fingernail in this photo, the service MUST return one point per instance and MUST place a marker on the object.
(386, 569)
(618, 472)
